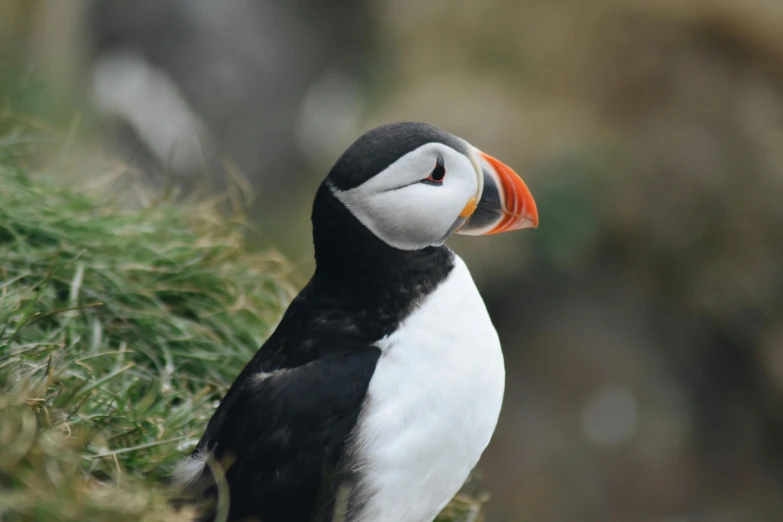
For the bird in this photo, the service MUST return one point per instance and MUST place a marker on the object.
(381, 385)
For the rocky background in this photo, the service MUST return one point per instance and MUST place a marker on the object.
(642, 322)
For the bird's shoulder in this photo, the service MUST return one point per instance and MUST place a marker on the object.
(319, 356)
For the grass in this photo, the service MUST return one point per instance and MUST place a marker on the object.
(119, 332)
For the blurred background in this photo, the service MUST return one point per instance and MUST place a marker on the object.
(642, 323)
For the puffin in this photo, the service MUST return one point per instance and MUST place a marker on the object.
(381, 385)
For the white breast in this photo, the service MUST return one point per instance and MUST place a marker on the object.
(433, 403)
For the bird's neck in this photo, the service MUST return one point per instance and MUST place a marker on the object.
(352, 261)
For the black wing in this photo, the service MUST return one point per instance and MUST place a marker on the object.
(282, 434)
(280, 430)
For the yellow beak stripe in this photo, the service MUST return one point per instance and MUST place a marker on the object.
(469, 209)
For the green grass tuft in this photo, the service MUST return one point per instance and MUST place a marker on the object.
(119, 332)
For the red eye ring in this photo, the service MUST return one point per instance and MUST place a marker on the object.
(438, 173)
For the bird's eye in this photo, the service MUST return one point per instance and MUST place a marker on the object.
(438, 173)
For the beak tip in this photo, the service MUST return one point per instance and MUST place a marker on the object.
(534, 220)
(531, 222)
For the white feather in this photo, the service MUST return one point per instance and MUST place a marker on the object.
(189, 468)
(433, 404)
(410, 215)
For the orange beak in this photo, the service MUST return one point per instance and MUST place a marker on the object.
(505, 203)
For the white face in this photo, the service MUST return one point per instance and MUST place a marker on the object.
(409, 213)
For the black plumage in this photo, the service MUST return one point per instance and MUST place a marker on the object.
(283, 427)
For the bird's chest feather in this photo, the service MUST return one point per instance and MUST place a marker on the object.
(432, 405)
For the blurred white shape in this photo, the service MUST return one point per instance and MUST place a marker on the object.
(329, 117)
(610, 416)
(127, 86)
(185, 444)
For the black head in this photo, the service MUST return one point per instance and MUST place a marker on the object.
(400, 190)
(378, 148)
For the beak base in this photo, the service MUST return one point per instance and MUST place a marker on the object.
(506, 203)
